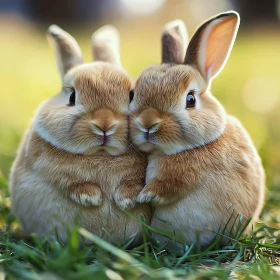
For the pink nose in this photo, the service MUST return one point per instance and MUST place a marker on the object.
(103, 133)
(105, 138)
(150, 128)
(150, 131)
(148, 120)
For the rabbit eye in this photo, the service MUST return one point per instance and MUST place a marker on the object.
(190, 100)
(72, 99)
(131, 95)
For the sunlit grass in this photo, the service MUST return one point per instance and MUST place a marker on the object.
(257, 254)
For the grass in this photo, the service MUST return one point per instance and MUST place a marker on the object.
(32, 258)
(29, 75)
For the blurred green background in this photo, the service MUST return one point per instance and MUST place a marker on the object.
(248, 87)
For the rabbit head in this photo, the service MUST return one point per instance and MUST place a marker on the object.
(173, 109)
(90, 113)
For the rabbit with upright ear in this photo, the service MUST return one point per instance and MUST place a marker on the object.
(75, 163)
(203, 168)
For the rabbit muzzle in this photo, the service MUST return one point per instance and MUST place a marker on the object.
(104, 125)
(148, 122)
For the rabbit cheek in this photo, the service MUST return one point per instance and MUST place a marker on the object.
(55, 128)
(169, 136)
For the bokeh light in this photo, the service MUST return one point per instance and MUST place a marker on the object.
(261, 94)
(141, 7)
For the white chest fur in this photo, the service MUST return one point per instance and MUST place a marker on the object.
(151, 169)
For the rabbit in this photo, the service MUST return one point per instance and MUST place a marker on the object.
(75, 163)
(203, 169)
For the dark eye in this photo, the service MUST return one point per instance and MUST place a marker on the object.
(190, 100)
(72, 99)
(131, 95)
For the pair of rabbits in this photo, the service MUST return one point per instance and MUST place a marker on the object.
(164, 148)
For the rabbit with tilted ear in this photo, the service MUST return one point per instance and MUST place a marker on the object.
(75, 162)
(203, 168)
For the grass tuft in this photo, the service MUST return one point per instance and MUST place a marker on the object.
(243, 257)
(33, 258)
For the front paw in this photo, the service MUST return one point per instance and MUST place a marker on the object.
(125, 195)
(150, 195)
(125, 202)
(86, 195)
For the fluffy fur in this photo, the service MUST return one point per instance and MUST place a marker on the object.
(75, 163)
(203, 167)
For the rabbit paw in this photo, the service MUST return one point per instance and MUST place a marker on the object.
(150, 195)
(86, 195)
(125, 196)
(125, 203)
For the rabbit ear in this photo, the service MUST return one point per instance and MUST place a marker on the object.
(106, 45)
(174, 41)
(68, 52)
(211, 45)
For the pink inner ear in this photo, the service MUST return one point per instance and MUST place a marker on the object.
(218, 45)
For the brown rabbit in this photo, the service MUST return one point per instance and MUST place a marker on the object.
(203, 168)
(75, 162)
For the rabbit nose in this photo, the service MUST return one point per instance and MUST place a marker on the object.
(148, 121)
(105, 129)
(146, 129)
(103, 122)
